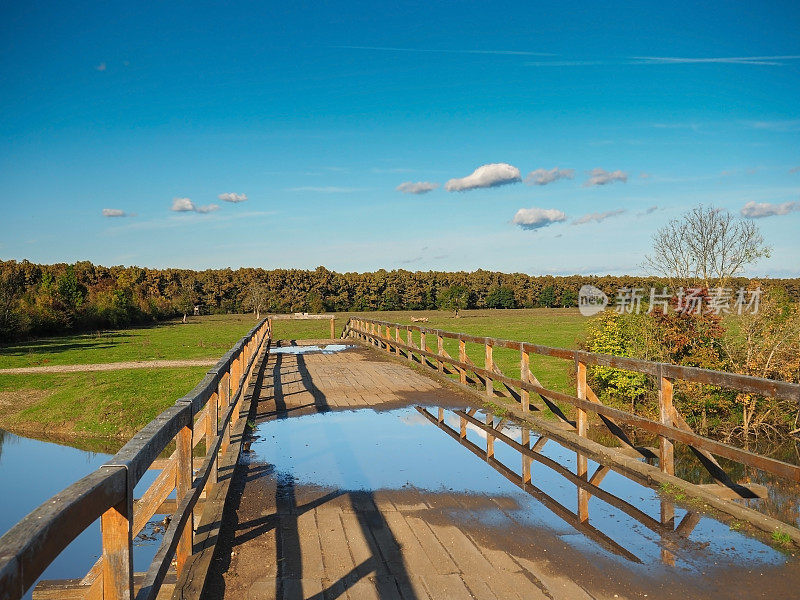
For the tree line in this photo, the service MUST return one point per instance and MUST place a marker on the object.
(37, 299)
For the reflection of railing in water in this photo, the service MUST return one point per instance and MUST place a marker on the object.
(671, 536)
(533, 398)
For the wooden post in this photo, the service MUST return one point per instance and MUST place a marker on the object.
(462, 357)
(388, 339)
(423, 346)
(333, 328)
(116, 526)
(581, 425)
(224, 402)
(440, 351)
(463, 429)
(526, 460)
(489, 437)
(410, 340)
(440, 416)
(524, 369)
(212, 430)
(488, 365)
(397, 339)
(184, 485)
(666, 459)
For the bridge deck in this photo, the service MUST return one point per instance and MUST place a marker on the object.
(281, 539)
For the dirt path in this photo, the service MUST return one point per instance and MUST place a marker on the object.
(133, 364)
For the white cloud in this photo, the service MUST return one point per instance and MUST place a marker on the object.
(186, 205)
(598, 217)
(486, 176)
(116, 212)
(543, 176)
(232, 197)
(535, 218)
(417, 187)
(758, 210)
(731, 60)
(649, 211)
(600, 176)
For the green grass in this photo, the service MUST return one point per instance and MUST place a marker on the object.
(118, 403)
(201, 337)
(98, 404)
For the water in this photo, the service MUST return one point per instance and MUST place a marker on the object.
(403, 450)
(31, 471)
(329, 349)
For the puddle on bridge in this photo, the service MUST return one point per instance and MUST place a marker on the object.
(329, 349)
(418, 451)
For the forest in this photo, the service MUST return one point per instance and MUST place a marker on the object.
(38, 299)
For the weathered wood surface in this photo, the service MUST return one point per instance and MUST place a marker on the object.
(279, 539)
(282, 541)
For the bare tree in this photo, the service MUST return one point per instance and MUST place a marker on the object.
(256, 297)
(705, 246)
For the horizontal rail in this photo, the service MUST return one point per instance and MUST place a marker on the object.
(735, 381)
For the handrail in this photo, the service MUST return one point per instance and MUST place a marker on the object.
(746, 383)
(671, 426)
(32, 544)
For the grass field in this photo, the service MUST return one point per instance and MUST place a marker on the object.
(201, 337)
(118, 403)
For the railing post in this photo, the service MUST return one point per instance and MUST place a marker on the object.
(666, 459)
(116, 526)
(524, 369)
(184, 485)
(489, 436)
(388, 339)
(581, 425)
(333, 328)
(212, 431)
(397, 339)
(439, 351)
(463, 428)
(489, 365)
(410, 340)
(462, 358)
(526, 460)
(440, 416)
(224, 402)
(423, 345)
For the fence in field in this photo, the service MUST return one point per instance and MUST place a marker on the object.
(411, 342)
(210, 412)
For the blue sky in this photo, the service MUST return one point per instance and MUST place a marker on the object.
(317, 112)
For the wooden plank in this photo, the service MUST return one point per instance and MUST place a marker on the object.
(75, 589)
(146, 506)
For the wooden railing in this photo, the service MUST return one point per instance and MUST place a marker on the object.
(209, 412)
(411, 341)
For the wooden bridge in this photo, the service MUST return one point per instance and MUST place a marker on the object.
(237, 532)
